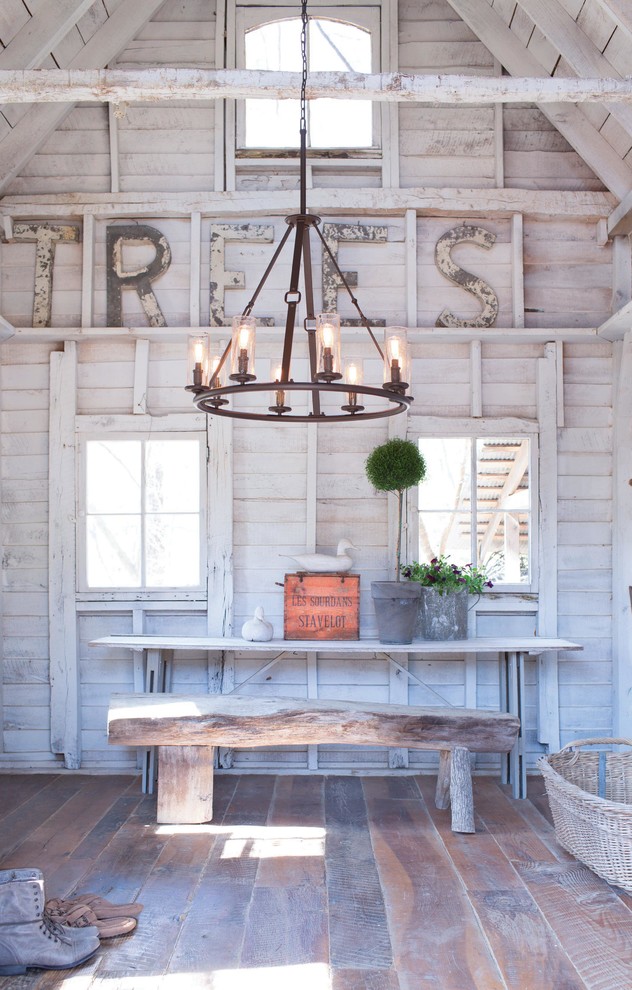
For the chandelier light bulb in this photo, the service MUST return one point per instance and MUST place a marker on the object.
(278, 395)
(198, 359)
(396, 370)
(243, 349)
(353, 376)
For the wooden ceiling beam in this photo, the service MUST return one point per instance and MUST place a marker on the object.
(42, 33)
(620, 220)
(616, 327)
(621, 11)
(33, 129)
(577, 49)
(569, 120)
(541, 204)
(76, 84)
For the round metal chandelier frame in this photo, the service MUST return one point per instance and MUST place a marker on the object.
(207, 401)
(213, 398)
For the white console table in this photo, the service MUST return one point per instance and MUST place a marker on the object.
(159, 652)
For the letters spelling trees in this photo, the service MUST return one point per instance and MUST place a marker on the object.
(140, 279)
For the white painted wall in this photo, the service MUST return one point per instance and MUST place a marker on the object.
(294, 487)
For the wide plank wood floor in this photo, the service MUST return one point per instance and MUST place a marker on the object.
(320, 883)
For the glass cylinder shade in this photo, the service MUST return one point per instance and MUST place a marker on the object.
(278, 394)
(328, 347)
(396, 360)
(353, 376)
(242, 360)
(215, 379)
(198, 360)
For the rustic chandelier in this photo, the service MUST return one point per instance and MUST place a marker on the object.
(212, 395)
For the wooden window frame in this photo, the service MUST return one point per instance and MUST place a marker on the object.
(474, 430)
(383, 158)
(142, 593)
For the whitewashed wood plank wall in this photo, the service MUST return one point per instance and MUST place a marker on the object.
(276, 491)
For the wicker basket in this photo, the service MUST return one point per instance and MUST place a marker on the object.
(590, 794)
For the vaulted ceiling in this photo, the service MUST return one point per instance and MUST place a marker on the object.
(529, 38)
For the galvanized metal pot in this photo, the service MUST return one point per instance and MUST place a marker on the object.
(396, 610)
(443, 616)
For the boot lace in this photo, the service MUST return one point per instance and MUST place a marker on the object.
(53, 929)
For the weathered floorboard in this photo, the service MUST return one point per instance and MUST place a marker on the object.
(337, 883)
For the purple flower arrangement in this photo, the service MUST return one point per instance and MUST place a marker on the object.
(447, 578)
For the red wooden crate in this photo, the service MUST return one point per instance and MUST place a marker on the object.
(321, 606)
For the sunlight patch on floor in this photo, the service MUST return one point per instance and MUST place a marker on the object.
(310, 976)
(257, 841)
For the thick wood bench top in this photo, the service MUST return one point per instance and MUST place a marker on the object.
(234, 720)
(187, 728)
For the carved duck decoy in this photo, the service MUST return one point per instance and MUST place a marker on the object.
(257, 629)
(320, 563)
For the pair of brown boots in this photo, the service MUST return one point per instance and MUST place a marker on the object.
(93, 911)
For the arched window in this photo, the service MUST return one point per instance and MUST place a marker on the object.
(332, 45)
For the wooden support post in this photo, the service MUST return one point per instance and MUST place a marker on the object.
(476, 379)
(461, 797)
(410, 227)
(517, 269)
(195, 270)
(442, 793)
(499, 137)
(185, 784)
(87, 270)
(548, 688)
(65, 723)
(220, 526)
(141, 377)
(622, 538)
(113, 134)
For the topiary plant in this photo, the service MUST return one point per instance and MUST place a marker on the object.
(395, 466)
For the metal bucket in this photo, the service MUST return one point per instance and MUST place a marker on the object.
(396, 610)
(443, 616)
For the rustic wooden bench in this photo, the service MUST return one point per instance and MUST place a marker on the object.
(187, 728)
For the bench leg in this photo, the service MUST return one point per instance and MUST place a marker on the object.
(185, 784)
(461, 797)
(442, 793)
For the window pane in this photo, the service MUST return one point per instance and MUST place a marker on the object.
(173, 551)
(172, 476)
(275, 46)
(447, 481)
(272, 123)
(143, 519)
(338, 47)
(495, 506)
(113, 551)
(502, 468)
(503, 542)
(445, 533)
(113, 476)
(503, 501)
(332, 46)
(340, 124)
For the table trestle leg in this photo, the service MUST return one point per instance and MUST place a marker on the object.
(461, 797)
(185, 784)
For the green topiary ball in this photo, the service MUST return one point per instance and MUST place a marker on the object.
(395, 466)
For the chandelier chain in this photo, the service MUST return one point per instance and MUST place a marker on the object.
(304, 20)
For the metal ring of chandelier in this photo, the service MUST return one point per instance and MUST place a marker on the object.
(211, 400)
